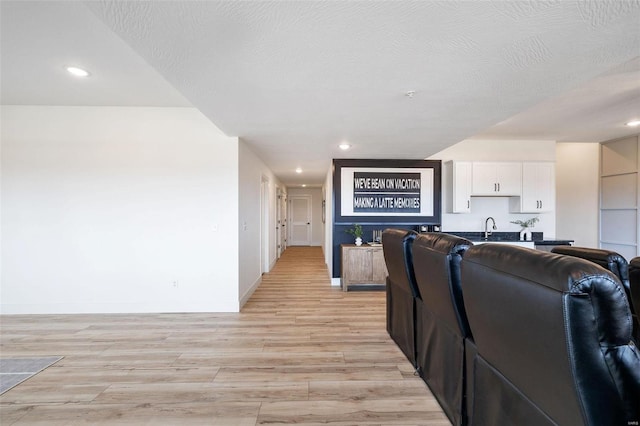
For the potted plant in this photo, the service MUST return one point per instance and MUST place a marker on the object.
(525, 233)
(356, 231)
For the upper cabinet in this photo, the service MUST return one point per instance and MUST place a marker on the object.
(538, 189)
(530, 185)
(491, 179)
(461, 200)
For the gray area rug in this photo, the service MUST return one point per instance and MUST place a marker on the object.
(14, 371)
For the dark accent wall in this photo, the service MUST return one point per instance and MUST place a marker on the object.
(373, 222)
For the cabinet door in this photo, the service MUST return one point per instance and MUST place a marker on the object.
(547, 186)
(379, 266)
(538, 188)
(462, 178)
(356, 265)
(509, 178)
(497, 179)
(484, 180)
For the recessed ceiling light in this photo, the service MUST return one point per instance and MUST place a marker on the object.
(298, 170)
(78, 72)
(633, 123)
(344, 146)
(304, 185)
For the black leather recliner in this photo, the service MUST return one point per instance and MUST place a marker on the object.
(401, 289)
(613, 262)
(551, 340)
(634, 289)
(441, 321)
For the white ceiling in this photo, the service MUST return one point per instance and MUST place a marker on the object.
(294, 79)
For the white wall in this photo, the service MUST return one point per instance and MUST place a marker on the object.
(327, 246)
(497, 207)
(114, 209)
(251, 173)
(317, 228)
(577, 192)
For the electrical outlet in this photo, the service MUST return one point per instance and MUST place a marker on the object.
(175, 283)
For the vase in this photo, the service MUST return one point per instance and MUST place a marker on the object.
(527, 234)
(358, 241)
(523, 234)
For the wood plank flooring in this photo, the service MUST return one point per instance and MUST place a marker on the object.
(300, 352)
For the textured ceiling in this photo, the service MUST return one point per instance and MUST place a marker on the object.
(294, 79)
(39, 39)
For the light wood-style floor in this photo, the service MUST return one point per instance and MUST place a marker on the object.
(300, 352)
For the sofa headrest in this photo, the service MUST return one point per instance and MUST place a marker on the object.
(443, 243)
(565, 274)
(561, 273)
(608, 259)
(437, 265)
(398, 237)
(398, 255)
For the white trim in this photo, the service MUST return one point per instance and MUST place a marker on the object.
(335, 282)
(247, 295)
(118, 308)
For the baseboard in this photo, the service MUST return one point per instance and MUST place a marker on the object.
(155, 307)
(247, 295)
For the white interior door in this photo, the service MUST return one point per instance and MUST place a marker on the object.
(283, 223)
(279, 223)
(300, 221)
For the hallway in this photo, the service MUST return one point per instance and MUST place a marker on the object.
(300, 352)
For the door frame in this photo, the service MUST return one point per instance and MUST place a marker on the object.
(264, 225)
(309, 200)
(280, 222)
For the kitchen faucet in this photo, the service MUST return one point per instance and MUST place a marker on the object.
(488, 232)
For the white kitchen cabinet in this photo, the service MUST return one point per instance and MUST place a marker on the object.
(461, 196)
(496, 179)
(538, 189)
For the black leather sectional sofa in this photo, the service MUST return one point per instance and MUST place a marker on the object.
(505, 335)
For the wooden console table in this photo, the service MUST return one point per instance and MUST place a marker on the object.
(362, 265)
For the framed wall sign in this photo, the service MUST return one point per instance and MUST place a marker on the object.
(387, 191)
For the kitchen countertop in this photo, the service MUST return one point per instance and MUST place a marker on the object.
(537, 237)
(554, 242)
